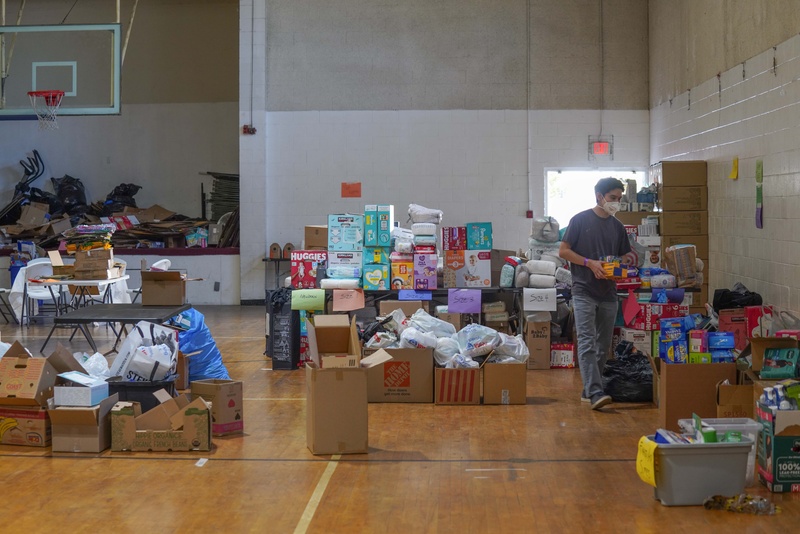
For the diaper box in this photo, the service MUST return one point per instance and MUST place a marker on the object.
(376, 276)
(371, 225)
(379, 255)
(304, 265)
(467, 268)
(345, 232)
(479, 236)
(353, 258)
(403, 275)
(425, 271)
(385, 224)
(454, 238)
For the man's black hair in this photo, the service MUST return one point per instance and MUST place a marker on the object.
(608, 184)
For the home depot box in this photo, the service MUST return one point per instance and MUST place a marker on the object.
(408, 306)
(304, 265)
(650, 315)
(690, 388)
(25, 380)
(779, 449)
(734, 400)
(684, 223)
(408, 377)
(24, 425)
(333, 341)
(458, 386)
(174, 425)
(734, 321)
(82, 428)
(316, 237)
(684, 198)
(467, 268)
(504, 383)
(537, 337)
(163, 288)
(227, 406)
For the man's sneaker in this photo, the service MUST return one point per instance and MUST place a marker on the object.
(598, 401)
(585, 399)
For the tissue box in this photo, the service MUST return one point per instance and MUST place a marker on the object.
(376, 277)
(479, 236)
(425, 271)
(345, 232)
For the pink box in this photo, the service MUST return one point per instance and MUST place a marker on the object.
(650, 314)
(698, 341)
(788, 333)
(425, 271)
(758, 321)
(304, 264)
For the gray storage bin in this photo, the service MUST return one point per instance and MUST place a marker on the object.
(690, 473)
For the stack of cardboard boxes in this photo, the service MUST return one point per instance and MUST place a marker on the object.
(96, 264)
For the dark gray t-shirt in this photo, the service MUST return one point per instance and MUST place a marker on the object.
(594, 237)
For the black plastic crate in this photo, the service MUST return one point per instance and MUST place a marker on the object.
(141, 392)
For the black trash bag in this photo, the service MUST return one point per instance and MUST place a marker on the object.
(43, 197)
(629, 378)
(738, 297)
(71, 193)
(119, 198)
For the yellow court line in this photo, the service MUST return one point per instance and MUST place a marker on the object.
(316, 497)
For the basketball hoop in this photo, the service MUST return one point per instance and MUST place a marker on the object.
(46, 104)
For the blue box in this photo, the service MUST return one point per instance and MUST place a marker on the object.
(385, 224)
(721, 340)
(479, 236)
(673, 350)
(346, 232)
(371, 225)
(723, 356)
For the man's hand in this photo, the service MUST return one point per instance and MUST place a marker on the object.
(597, 268)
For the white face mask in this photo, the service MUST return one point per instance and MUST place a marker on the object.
(611, 208)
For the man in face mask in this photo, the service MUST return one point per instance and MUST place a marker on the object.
(591, 235)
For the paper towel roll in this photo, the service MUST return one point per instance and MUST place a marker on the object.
(541, 267)
(541, 281)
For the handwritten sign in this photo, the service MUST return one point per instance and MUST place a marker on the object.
(411, 294)
(351, 189)
(539, 299)
(348, 299)
(646, 461)
(308, 299)
(464, 300)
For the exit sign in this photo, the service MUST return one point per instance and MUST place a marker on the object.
(601, 148)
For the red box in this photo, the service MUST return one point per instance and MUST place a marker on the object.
(758, 320)
(304, 267)
(457, 386)
(650, 314)
(734, 321)
(454, 238)
(562, 356)
(795, 334)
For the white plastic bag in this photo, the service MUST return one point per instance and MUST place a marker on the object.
(145, 334)
(150, 364)
(397, 322)
(381, 340)
(96, 365)
(424, 322)
(461, 361)
(411, 338)
(421, 214)
(513, 346)
(4, 348)
(446, 349)
(477, 340)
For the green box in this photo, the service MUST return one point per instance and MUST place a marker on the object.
(779, 449)
(699, 357)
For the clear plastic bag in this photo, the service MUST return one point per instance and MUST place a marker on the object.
(96, 365)
(381, 340)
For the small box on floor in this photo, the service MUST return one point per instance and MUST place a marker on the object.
(504, 383)
(537, 337)
(225, 397)
(82, 429)
(24, 425)
(562, 356)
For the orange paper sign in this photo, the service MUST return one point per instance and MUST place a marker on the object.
(351, 189)
(348, 299)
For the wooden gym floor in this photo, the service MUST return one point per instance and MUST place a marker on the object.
(550, 466)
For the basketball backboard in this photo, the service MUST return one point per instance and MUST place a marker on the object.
(83, 60)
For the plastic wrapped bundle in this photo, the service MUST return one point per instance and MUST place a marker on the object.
(340, 283)
(541, 267)
(563, 276)
(545, 229)
(424, 229)
(521, 276)
(425, 240)
(421, 214)
(541, 281)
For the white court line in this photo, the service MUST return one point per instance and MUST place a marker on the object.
(316, 497)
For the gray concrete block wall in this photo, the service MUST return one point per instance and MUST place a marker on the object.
(455, 54)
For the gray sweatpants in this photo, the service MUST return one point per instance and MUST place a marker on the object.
(594, 322)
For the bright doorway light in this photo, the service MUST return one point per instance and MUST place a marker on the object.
(570, 192)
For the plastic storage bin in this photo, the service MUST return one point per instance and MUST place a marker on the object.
(748, 427)
(690, 473)
(141, 392)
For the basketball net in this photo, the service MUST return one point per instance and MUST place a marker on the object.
(45, 104)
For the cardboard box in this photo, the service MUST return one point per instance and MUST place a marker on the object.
(94, 254)
(376, 277)
(641, 339)
(679, 173)
(408, 306)
(333, 341)
(82, 429)
(28, 381)
(336, 410)
(371, 225)
(758, 345)
(505, 383)
(385, 224)
(316, 237)
(655, 364)
(479, 236)
(458, 386)
(24, 425)
(735, 400)
(498, 259)
(227, 404)
(33, 215)
(182, 382)
(188, 426)
(454, 238)
(467, 268)
(690, 388)
(734, 321)
(407, 378)
(633, 218)
(425, 271)
(683, 198)
(452, 318)
(304, 265)
(163, 288)
(349, 258)
(79, 389)
(684, 223)
(377, 255)
(650, 315)
(779, 449)
(345, 232)
(402, 275)
(562, 356)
